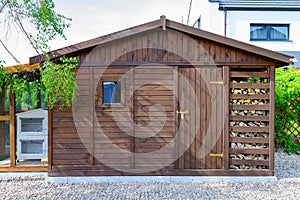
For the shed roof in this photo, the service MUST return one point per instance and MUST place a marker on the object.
(168, 24)
(293, 5)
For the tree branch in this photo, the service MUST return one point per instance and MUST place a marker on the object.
(19, 22)
(10, 53)
(3, 6)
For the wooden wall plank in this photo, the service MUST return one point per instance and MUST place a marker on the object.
(176, 120)
(197, 116)
(187, 121)
(92, 110)
(193, 117)
(133, 119)
(214, 120)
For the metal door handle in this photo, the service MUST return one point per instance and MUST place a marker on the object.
(182, 113)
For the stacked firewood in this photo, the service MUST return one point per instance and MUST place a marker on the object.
(236, 145)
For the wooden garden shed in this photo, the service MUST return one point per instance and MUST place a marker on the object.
(163, 98)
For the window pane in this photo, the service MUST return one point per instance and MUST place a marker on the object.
(279, 32)
(258, 32)
(111, 92)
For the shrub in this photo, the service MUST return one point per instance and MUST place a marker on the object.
(287, 109)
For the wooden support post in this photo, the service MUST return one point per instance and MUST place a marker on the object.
(226, 80)
(12, 130)
(271, 114)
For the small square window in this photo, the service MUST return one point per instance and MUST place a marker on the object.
(111, 92)
(269, 32)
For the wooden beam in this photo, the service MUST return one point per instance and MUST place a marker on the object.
(24, 168)
(226, 72)
(250, 85)
(250, 107)
(249, 129)
(250, 140)
(250, 118)
(249, 151)
(271, 115)
(4, 118)
(12, 129)
(171, 172)
(179, 63)
(249, 74)
(250, 162)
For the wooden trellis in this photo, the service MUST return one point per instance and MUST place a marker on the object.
(290, 119)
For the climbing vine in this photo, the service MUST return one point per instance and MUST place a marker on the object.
(58, 81)
(55, 80)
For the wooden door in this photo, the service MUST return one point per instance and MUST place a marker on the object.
(153, 108)
(199, 118)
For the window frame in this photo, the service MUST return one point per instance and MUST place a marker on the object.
(268, 29)
(101, 97)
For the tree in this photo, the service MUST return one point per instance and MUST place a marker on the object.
(41, 16)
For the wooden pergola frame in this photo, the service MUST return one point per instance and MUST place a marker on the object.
(12, 127)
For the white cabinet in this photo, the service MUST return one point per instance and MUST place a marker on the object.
(32, 134)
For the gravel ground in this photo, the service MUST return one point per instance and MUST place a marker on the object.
(286, 187)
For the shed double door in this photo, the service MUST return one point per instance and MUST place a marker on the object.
(178, 114)
(199, 118)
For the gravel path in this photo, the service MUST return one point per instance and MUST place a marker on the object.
(286, 187)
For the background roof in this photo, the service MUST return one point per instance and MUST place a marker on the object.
(258, 4)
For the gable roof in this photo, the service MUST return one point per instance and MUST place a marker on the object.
(283, 5)
(168, 24)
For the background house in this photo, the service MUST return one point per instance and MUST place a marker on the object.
(271, 24)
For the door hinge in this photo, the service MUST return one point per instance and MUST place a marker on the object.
(216, 82)
(216, 155)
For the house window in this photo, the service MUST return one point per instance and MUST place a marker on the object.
(111, 92)
(269, 32)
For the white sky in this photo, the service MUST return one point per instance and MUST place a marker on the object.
(94, 18)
